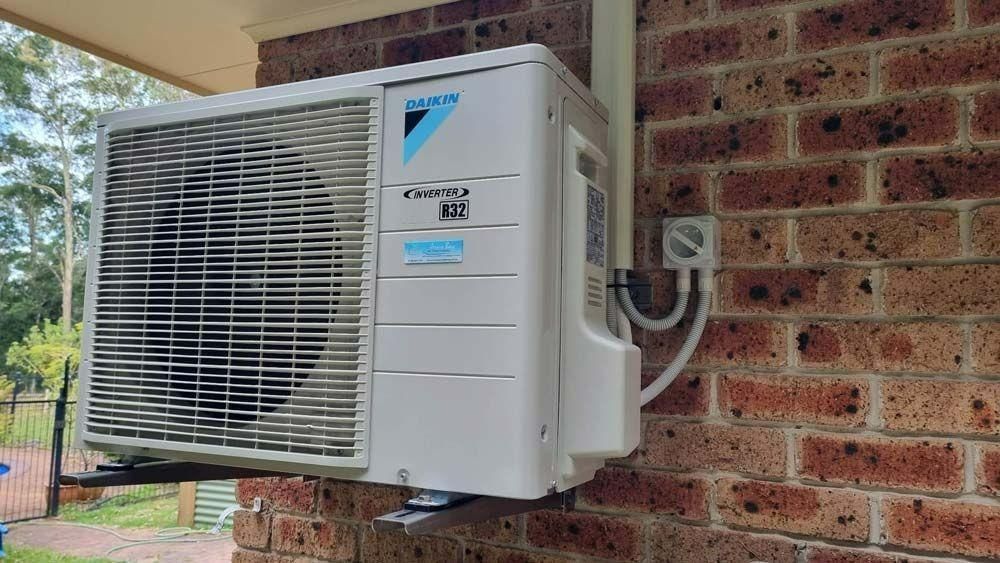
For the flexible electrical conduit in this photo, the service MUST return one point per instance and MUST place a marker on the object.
(684, 354)
(674, 368)
(644, 322)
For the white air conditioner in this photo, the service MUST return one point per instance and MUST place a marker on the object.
(395, 276)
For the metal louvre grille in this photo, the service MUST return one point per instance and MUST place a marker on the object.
(233, 280)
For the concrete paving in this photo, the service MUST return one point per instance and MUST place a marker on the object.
(89, 542)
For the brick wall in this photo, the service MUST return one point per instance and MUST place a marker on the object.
(843, 405)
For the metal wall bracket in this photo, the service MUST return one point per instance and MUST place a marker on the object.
(161, 472)
(435, 510)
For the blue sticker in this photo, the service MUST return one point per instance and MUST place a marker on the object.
(433, 251)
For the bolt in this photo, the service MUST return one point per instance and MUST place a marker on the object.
(403, 476)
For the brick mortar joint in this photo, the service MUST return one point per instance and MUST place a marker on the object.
(875, 48)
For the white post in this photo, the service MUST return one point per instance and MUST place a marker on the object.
(612, 79)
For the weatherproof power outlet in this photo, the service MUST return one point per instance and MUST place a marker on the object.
(690, 242)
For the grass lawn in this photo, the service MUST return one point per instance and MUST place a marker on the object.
(123, 513)
(31, 424)
(36, 555)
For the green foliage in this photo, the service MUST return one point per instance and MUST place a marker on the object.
(41, 555)
(30, 425)
(43, 353)
(6, 419)
(50, 96)
(125, 512)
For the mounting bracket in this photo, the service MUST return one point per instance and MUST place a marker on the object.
(162, 471)
(435, 510)
(428, 512)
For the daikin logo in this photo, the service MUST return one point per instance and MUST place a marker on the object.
(423, 116)
(432, 101)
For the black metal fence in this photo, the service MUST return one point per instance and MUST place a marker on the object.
(36, 436)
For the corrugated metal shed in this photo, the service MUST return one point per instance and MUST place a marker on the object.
(210, 499)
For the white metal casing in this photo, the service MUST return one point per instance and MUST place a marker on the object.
(492, 375)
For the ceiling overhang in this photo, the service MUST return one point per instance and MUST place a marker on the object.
(204, 47)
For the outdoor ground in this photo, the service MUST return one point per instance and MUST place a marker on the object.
(114, 530)
(53, 537)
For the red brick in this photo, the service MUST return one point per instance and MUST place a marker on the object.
(395, 547)
(940, 525)
(668, 195)
(395, 24)
(436, 45)
(834, 401)
(759, 451)
(930, 465)
(734, 5)
(577, 60)
(465, 10)
(248, 556)
(687, 395)
(316, 538)
(676, 543)
(945, 63)
(654, 14)
(986, 348)
(559, 26)
(832, 555)
(737, 141)
(750, 39)
(754, 241)
(986, 231)
(832, 513)
(607, 537)
(497, 530)
(967, 175)
(271, 73)
(673, 98)
(907, 123)
(838, 290)
(946, 407)
(483, 553)
(943, 290)
(640, 148)
(284, 494)
(662, 283)
(251, 529)
(879, 236)
(727, 343)
(341, 60)
(640, 248)
(813, 80)
(983, 12)
(862, 21)
(297, 44)
(809, 186)
(986, 115)
(880, 346)
(360, 501)
(655, 492)
(988, 469)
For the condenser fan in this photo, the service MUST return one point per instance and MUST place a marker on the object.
(239, 319)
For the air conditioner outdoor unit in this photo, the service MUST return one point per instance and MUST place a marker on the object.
(395, 276)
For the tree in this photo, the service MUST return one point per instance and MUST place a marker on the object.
(51, 95)
(44, 350)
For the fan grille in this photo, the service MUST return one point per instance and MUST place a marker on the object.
(233, 279)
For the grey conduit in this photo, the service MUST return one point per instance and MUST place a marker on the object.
(642, 321)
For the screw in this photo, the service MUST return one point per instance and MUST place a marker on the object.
(403, 476)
